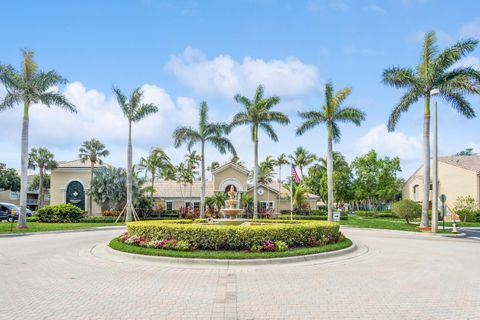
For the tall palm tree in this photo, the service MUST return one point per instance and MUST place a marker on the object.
(258, 114)
(207, 132)
(265, 170)
(302, 158)
(236, 160)
(92, 150)
(134, 110)
(435, 71)
(280, 161)
(192, 161)
(331, 113)
(157, 161)
(42, 159)
(30, 86)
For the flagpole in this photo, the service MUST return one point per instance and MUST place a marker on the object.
(291, 197)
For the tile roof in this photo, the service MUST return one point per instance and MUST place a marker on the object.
(173, 189)
(471, 163)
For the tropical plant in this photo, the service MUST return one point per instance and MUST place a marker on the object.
(9, 179)
(466, 152)
(35, 182)
(331, 113)
(436, 71)
(266, 171)
(280, 162)
(92, 150)
(134, 110)
(207, 132)
(30, 86)
(219, 199)
(42, 159)
(300, 192)
(213, 166)
(157, 161)
(246, 200)
(236, 160)
(407, 209)
(258, 114)
(301, 158)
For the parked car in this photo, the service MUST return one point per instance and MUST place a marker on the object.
(6, 212)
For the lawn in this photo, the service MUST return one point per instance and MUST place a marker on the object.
(200, 254)
(42, 227)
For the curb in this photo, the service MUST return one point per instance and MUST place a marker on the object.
(21, 234)
(234, 262)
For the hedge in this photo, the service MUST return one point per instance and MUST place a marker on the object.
(63, 213)
(343, 216)
(376, 214)
(224, 237)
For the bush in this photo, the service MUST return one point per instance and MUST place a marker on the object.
(469, 216)
(228, 237)
(407, 209)
(376, 214)
(62, 213)
(343, 216)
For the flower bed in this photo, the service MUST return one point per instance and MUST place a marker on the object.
(260, 236)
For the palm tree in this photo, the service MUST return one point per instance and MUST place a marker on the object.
(92, 150)
(331, 113)
(207, 132)
(134, 110)
(30, 86)
(236, 160)
(258, 114)
(435, 71)
(157, 161)
(279, 162)
(213, 166)
(42, 159)
(301, 158)
(265, 170)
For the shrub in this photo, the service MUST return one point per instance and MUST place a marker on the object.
(230, 237)
(343, 216)
(407, 209)
(467, 209)
(281, 246)
(60, 213)
(376, 214)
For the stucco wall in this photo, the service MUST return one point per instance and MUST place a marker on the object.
(230, 173)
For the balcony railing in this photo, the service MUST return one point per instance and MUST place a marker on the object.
(32, 202)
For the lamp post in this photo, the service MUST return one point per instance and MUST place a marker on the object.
(435, 92)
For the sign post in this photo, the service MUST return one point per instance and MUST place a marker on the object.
(12, 215)
(443, 199)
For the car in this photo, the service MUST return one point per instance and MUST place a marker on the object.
(6, 212)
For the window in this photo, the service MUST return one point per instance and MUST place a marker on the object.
(169, 205)
(266, 204)
(415, 192)
(14, 195)
(196, 205)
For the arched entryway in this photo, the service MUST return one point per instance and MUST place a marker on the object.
(76, 194)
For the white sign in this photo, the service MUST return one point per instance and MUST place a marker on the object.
(336, 216)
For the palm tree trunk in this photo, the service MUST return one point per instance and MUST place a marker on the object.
(40, 188)
(153, 184)
(279, 186)
(90, 203)
(22, 221)
(202, 199)
(426, 164)
(330, 177)
(129, 174)
(255, 173)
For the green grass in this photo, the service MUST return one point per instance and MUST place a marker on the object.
(42, 227)
(120, 246)
(380, 223)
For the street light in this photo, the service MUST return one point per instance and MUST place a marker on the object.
(435, 92)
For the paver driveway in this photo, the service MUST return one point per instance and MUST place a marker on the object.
(393, 276)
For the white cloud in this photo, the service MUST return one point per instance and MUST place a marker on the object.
(224, 76)
(98, 117)
(391, 144)
(374, 9)
(471, 29)
(470, 61)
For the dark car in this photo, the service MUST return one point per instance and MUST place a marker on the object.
(6, 212)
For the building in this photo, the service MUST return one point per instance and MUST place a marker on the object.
(13, 197)
(458, 176)
(70, 183)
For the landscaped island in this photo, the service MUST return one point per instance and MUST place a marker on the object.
(250, 240)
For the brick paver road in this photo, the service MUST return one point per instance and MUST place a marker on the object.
(393, 276)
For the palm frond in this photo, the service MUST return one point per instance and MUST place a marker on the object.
(453, 54)
(269, 130)
(186, 135)
(400, 77)
(222, 144)
(10, 100)
(406, 101)
(279, 117)
(243, 100)
(336, 134)
(350, 114)
(144, 111)
(57, 99)
(341, 95)
(465, 79)
(258, 95)
(459, 103)
(29, 67)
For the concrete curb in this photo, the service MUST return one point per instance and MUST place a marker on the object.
(403, 232)
(233, 262)
(6, 235)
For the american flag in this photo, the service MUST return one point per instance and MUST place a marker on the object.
(296, 178)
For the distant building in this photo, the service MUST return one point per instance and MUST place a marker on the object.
(458, 176)
(13, 197)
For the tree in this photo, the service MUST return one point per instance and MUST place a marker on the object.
(301, 158)
(236, 160)
(466, 152)
(134, 110)
(35, 182)
(246, 200)
(219, 199)
(407, 209)
(376, 180)
(157, 161)
(109, 187)
(280, 162)
(213, 166)
(30, 86)
(435, 71)
(9, 179)
(300, 192)
(331, 113)
(92, 150)
(265, 171)
(192, 161)
(207, 132)
(258, 114)
(42, 159)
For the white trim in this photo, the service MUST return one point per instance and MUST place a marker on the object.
(228, 165)
(230, 181)
(72, 180)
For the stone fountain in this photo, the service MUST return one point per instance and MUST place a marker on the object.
(231, 211)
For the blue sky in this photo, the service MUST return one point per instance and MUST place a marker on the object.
(183, 52)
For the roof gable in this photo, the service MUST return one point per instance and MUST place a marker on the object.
(231, 165)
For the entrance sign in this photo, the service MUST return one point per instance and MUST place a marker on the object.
(336, 216)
